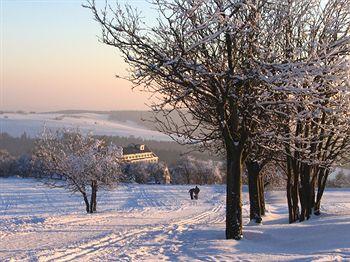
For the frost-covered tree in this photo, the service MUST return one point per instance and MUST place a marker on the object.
(221, 67)
(209, 172)
(159, 173)
(309, 94)
(189, 170)
(83, 163)
(135, 172)
(143, 172)
(184, 171)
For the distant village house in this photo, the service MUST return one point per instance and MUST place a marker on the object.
(138, 153)
(141, 154)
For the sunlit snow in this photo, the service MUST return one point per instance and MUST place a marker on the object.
(160, 223)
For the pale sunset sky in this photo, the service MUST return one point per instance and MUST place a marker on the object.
(51, 59)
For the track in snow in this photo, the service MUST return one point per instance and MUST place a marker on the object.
(121, 245)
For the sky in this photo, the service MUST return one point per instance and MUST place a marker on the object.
(51, 59)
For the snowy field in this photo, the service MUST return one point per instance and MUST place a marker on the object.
(160, 223)
(15, 124)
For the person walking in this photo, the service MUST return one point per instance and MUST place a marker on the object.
(191, 191)
(196, 192)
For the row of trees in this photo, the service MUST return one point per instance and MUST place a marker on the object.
(253, 80)
(186, 170)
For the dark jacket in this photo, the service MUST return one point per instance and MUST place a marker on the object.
(196, 190)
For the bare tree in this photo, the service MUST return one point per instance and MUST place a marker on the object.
(81, 161)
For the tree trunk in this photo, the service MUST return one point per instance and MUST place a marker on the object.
(305, 192)
(292, 190)
(93, 196)
(321, 185)
(302, 195)
(86, 200)
(234, 194)
(289, 197)
(289, 189)
(312, 193)
(253, 169)
(261, 185)
(295, 198)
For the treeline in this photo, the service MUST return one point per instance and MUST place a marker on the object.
(167, 151)
(16, 159)
(17, 146)
(84, 164)
(196, 168)
(185, 170)
(21, 166)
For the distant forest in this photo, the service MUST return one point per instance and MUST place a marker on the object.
(169, 152)
(17, 146)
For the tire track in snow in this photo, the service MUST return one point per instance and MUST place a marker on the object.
(113, 243)
(120, 243)
(89, 247)
(170, 232)
(167, 232)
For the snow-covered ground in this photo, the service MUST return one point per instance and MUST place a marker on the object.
(15, 124)
(160, 223)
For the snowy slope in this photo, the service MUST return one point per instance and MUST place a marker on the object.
(15, 124)
(160, 223)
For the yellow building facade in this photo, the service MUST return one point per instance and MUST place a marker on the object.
(138, 153)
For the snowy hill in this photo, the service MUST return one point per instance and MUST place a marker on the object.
(99, 123)
(160, 223)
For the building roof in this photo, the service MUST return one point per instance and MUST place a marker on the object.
(135, 149)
